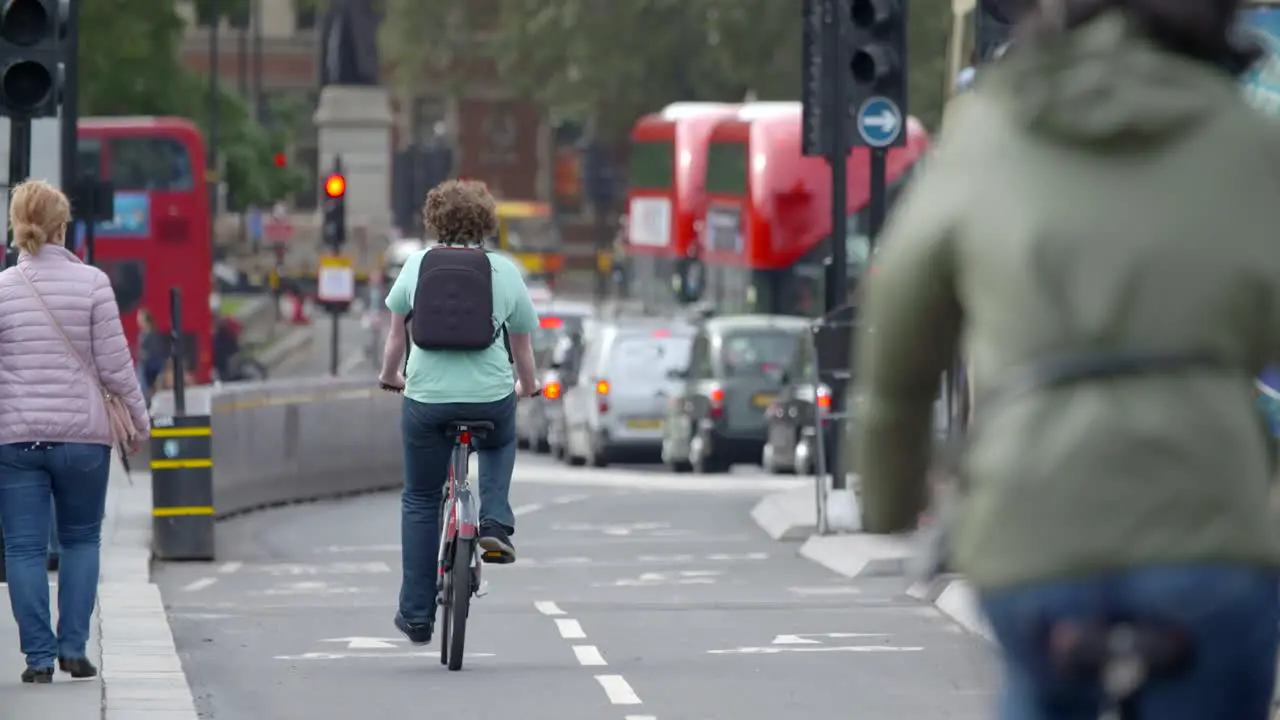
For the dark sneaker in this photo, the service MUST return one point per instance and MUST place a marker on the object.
(78, 668)
(416, 633)
(41, 676)
(495, 544)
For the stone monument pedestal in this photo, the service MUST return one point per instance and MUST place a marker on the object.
(354, 122)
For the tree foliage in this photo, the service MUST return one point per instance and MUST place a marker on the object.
(130, 65)
(612, 60)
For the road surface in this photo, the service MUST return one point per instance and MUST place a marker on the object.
(637, 596)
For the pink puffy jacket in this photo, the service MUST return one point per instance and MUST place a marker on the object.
(44, 393)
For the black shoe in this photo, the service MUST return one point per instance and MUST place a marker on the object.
(40, 676)
(495, 544)
(78, 668)
(417, 633)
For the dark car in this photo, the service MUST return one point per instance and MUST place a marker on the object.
(717, 418)
(560, 323)
(795, 415)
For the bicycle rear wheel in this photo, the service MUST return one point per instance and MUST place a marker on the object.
(459, 602)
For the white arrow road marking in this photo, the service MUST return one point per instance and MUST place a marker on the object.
(370, 655)
(365, 643)
(836, 648)
(794, 640)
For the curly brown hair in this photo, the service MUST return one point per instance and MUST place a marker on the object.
(460, 212)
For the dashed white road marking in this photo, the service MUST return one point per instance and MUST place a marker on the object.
(546, 607)
(200, 584)
(589, 655)
(570, 629)
(526, 509)
(227, 568)
(641, 717)
(618, 690)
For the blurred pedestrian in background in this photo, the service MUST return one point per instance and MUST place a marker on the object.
(151, 353)
(1097, 232)
(61, 347)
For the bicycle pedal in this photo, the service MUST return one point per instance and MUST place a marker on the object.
(495, 556)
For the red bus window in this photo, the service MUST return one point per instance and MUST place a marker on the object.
(157, 164)
(128, 282)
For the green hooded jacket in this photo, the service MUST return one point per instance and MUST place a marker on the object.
(1092, 195)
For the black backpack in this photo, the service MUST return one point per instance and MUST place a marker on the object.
(453, 302)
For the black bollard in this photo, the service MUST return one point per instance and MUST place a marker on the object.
(181, 467)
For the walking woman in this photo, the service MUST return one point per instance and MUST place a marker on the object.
(1097, 231)
(61, 347)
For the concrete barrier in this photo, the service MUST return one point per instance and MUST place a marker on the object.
(291, 440)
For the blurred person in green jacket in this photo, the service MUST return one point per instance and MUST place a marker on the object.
(1098, 233)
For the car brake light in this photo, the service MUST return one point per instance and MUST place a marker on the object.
(551, 390)
(550, 323)
(716, 396)
(824, 399)
(661, 333)
(602, 393)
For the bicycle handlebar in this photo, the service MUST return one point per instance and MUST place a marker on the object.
(400, 390)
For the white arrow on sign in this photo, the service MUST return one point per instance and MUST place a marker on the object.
(885, 121)
(365, 643)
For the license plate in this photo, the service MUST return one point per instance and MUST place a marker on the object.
(762, 400)
(644, 424)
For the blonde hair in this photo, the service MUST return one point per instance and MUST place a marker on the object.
(37, 211)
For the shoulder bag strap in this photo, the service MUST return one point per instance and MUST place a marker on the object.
(71, 349)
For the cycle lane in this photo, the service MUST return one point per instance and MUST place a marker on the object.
(625, 604)
(299, 625)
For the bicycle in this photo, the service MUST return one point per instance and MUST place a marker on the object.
(1120, 655)
(459, 565)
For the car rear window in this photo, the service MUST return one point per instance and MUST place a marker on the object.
(649, 357)
(756, 353)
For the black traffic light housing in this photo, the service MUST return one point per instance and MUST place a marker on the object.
(32, 33)
(994, 27)
(334, 207)
(878, 53)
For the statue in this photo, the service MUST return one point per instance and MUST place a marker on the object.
(349, 44)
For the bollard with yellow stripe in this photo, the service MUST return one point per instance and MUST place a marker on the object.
(182, 488)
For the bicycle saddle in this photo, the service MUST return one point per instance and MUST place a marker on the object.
(1087, 649)
(477, 428)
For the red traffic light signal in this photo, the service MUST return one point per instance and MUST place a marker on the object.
(281, 160)
(335, 186)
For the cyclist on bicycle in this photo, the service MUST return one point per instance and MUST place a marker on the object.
(1096, 231)
(469, 317)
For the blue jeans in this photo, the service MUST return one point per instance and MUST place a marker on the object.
(1230, 613)
(427, 450)
(75, 474)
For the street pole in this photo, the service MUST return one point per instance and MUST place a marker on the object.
(837, 285)
(71, 105)
(215, 108)
(257, 59)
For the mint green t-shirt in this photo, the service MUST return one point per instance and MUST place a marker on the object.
(465, 376)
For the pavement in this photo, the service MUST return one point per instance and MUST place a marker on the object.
(141, 675)
(312, 357)
(637, 596)
(791, 515)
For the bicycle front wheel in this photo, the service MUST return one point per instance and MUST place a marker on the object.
(459, 602)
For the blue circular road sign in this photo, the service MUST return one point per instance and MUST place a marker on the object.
(879, 122)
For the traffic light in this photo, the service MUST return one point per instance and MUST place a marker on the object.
(335, 208)
(994, 21)
(31, 34)
(878, 69)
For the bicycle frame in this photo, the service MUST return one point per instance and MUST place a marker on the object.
(461, 511)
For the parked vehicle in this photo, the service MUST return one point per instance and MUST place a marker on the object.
(795, 415)
(562, 325)
(617, 402)
(717, 418)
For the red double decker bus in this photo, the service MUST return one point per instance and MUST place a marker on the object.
(665, 199)
(159, 237)
(767, 225)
